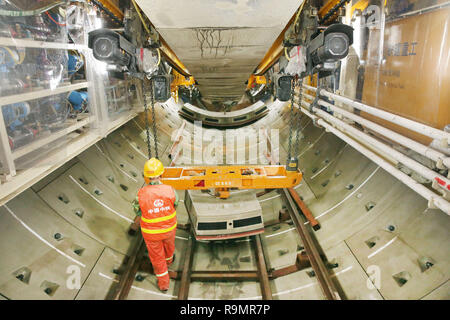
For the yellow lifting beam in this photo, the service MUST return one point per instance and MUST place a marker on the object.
(224, 178)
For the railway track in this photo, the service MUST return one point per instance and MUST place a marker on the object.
(309, 257)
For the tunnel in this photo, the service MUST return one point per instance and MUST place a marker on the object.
(210, 84)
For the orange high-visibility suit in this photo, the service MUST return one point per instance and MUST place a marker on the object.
(158, 226)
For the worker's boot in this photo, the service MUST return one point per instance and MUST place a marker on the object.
(163, 283)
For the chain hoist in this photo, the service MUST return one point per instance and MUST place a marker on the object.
(147, 126)
(155, 135)
(291, 119)
(297, 127)
(292, 161)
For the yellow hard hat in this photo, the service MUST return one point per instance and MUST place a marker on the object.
(153, 168)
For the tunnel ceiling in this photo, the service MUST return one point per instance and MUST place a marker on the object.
(220, 41)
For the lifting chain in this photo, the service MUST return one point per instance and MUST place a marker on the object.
(291, 120)
(155, 135)
(147, 126)
(299, 113)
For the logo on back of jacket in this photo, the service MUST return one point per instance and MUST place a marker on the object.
(158, 203)
(159, 207)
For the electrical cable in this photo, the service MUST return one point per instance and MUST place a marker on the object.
(21, 56)
(159, 57)
(56, 22)
(140, 17)
(286, 54)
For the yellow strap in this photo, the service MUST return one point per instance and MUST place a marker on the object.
(159, 219)
(159, 230)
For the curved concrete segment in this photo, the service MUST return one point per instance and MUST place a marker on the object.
(379, 238)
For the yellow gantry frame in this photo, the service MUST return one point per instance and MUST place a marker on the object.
(327, 7)
(179, 80)
(111, 6)
(165, 49)
(256, 79)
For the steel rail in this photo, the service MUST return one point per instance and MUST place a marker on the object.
(187, 266)
(122, 289)
(263, 276)
(326, 284)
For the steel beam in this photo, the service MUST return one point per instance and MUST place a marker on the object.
(304, 209)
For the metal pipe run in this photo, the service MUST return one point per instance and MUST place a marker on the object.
(434, 200)
(404, 122)
(440, 158)
(400, 157)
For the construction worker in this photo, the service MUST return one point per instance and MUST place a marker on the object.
(157, 202)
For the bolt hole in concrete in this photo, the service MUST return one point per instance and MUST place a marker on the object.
(58, 236)
(116, 271)
(370, 205)
(140, 278)
(79, 213)
(372, 242)
(391, 228)
(402, 278)
(83, 180)
(124, 187)
(63, 198)
(332, 264)
(110, 178)
(49, 287)
(23, 274)
(349, 187)
(325, 183)
(426, 263)
(98, 192)
(77, 250)
(337, 173)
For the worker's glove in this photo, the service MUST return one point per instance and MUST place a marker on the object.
(136, 207)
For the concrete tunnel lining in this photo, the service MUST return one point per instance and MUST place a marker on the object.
(330, 167)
